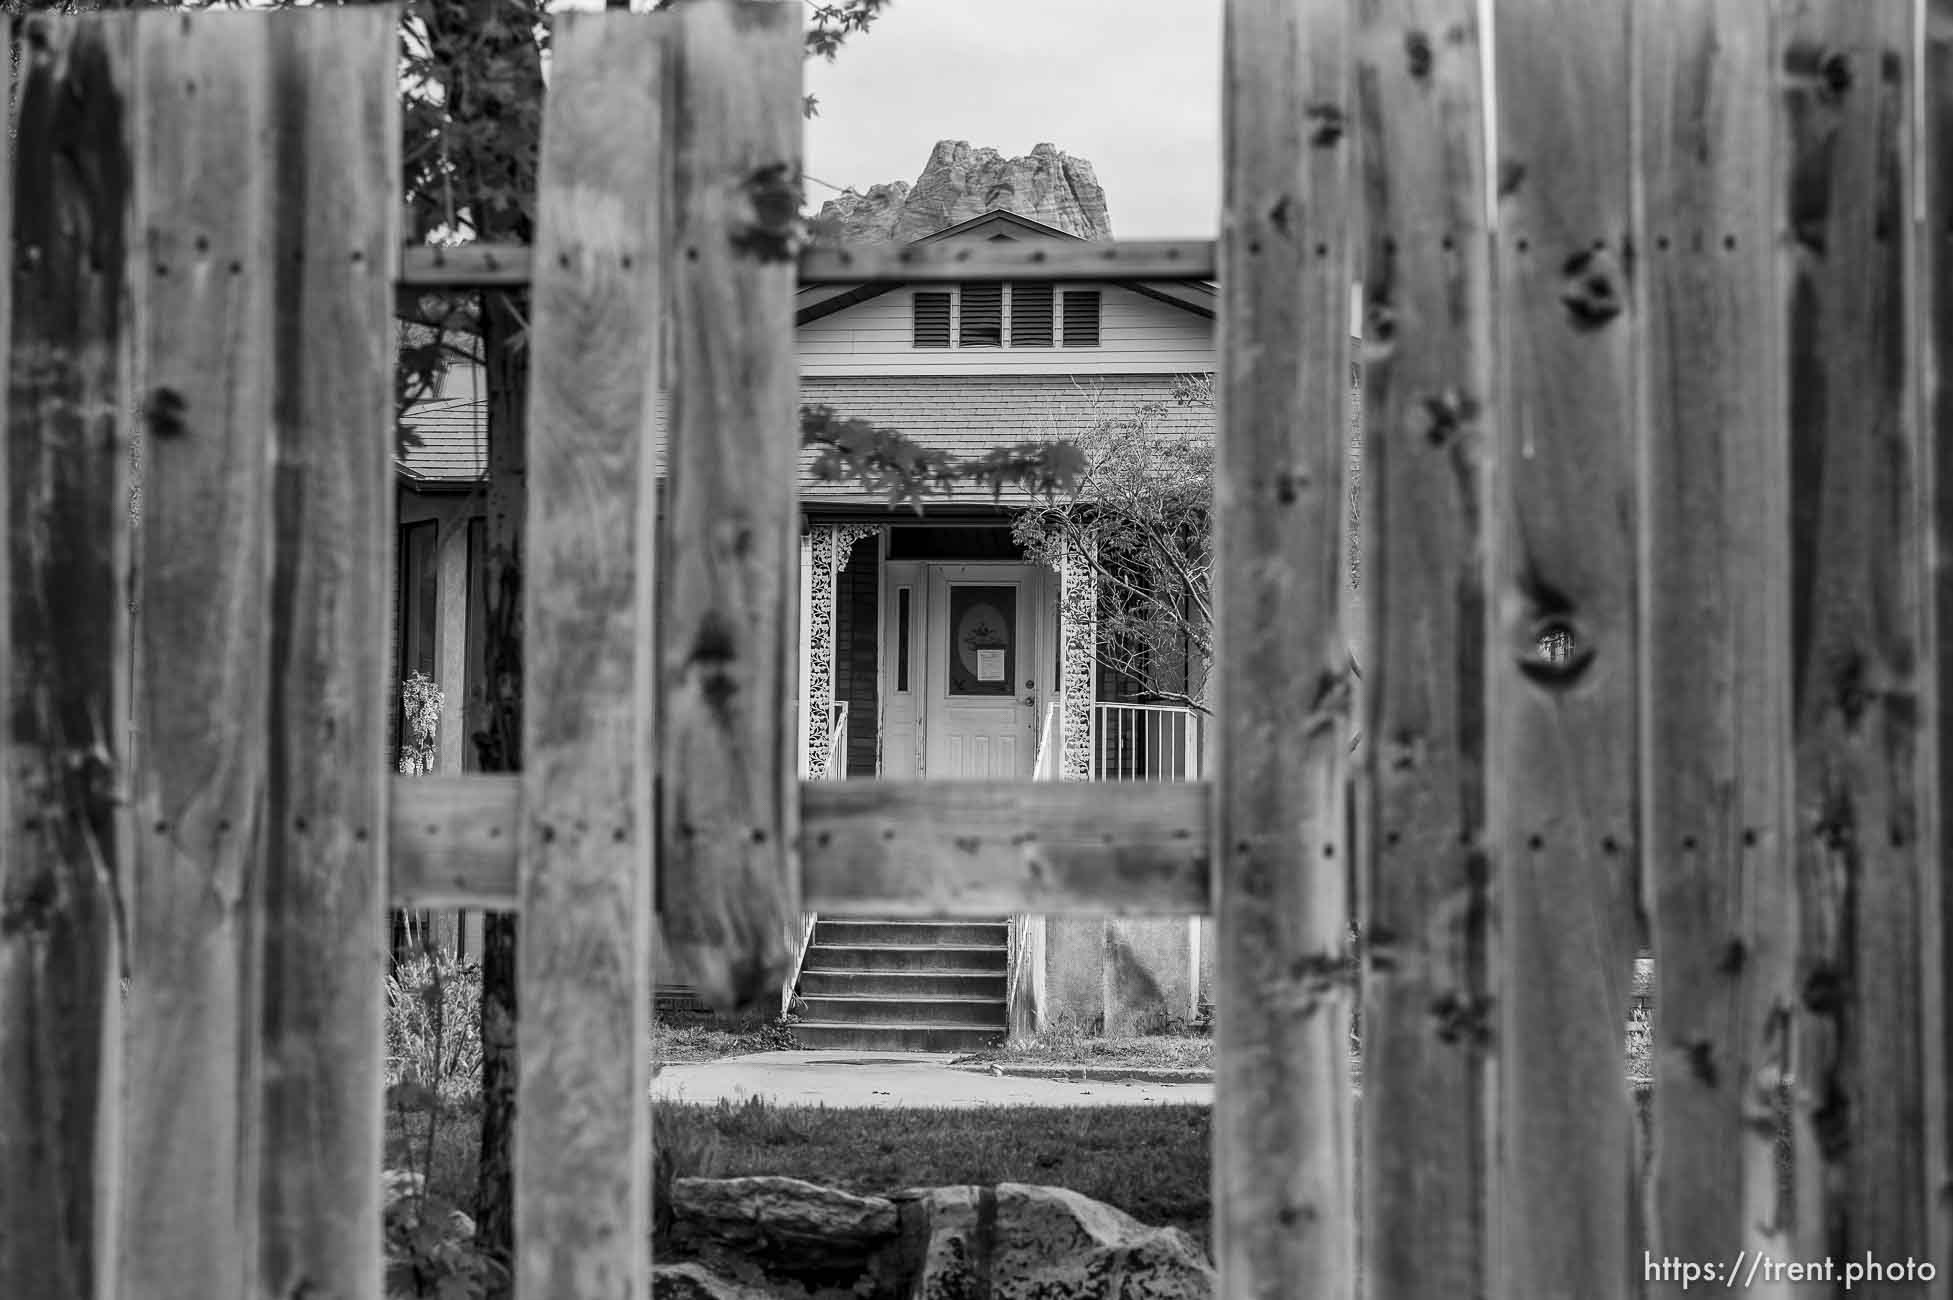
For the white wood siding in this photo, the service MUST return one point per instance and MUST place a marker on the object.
(1137, 335)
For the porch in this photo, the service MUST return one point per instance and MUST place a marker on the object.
(921, 650)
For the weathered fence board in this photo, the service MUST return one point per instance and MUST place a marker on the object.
(963, 848)
(203, 285)
(583, 1156)
(1715, 638)
(1424, 916)
(1560, 816)
(1283, 1144)
(511, 265)
(729, 886)
(1860, 642)
(63, 656)
(1934, 272)
(980, 848)
(335, 119)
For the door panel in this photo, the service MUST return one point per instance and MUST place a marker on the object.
(982, 697)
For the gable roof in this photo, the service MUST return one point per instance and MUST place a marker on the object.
(818, 300)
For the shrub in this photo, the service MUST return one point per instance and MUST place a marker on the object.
(433, 1034)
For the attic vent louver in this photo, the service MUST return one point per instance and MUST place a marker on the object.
(932, 320)
(1082, 318)
(1030, 315)
(983, 316)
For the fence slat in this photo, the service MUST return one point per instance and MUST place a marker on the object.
(1936, 355)
(1715, 641)
(1428, 380)
(203, 290)
(1283, 1135)
(730, 890)
(1864, 851)
(1560, 812)
(64, 655)
(335, 114)
(583, 1154)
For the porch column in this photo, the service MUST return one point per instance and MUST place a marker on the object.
(1078, 625)
(827, 551)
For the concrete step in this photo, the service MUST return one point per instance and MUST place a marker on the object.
(818, 982)
(896, 1037)
(987, 1012)
(889, 957)
(910, 933)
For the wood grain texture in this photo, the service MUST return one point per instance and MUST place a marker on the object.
(335, 117)
(980, 848)
(203, 294)
(1934, 272)
(1428, 383)
(583, 1151)
(64, 655)
(730, 879)
(1560, 815)
(961, 848)
(451, 841)
(512, 265)
(1860, 638)
(1715, 629)
(1283, 1133)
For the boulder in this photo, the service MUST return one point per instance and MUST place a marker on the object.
(696, 1282)
(743, 1237)
(763, 1229)
(1020, 1242)
(959, 182)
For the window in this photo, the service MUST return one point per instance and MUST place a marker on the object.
(932, 320)
(1082, 318)
(419, 607)
(902, 639)
(982, 320)
(1030, 315)
(982, 629)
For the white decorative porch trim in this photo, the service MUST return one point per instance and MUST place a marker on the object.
(829, 548)
(1078, 629)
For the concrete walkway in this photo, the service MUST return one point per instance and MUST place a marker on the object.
(833, 1078)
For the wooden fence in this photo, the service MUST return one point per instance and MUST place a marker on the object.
(1654, 377)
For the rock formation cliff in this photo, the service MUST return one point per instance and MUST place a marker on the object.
(958, 183)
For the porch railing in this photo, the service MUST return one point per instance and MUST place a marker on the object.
(1024, 980)
(837, 745)
(835, 769)
(1146, 742)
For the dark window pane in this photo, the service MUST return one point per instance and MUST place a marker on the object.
(983, 640)
(902, 639)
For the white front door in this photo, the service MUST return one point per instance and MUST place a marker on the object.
(982, 690)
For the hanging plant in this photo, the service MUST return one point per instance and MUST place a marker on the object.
(420, 701)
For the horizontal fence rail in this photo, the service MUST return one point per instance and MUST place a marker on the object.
(511, 266)
(875, 848)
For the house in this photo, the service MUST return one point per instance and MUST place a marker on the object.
(930, 647)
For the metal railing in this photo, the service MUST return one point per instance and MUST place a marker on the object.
(837, 745)
(1146, 742)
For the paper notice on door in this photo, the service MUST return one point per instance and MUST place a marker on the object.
(990, 665)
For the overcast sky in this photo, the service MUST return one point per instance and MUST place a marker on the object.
(1131, 85)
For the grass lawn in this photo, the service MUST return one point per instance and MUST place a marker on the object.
(1151, 1161)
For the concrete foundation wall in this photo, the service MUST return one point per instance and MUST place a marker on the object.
(1122, 975)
